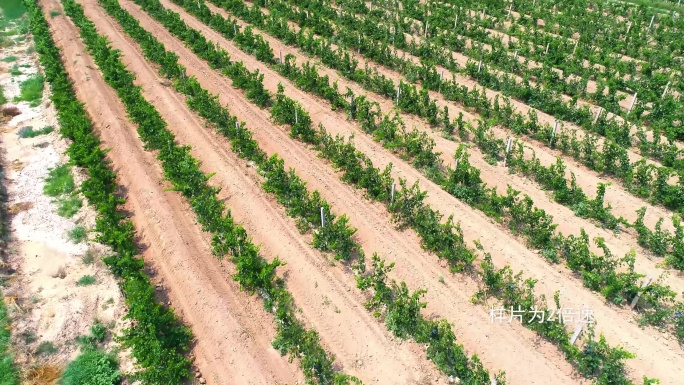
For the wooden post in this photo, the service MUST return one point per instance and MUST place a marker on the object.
(576, 334)
(636, 297)
(598, 114)
(322, 218)
(665, 92)
(633, 101)
(508, 150)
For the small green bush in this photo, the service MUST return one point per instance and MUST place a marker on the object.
(15, 71)
(78, 234)
(92, 367)
(31, 90)
(10, 59)
(8, 372)
(86, 280)
(68, 206)
(59, 181)
(29, 132)
(46, 348)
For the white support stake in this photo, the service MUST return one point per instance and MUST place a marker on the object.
(456, 21)
(575, 49)
(296, 116)
(479, 66)
(665, 92)
(633, 101)
(515, 57)
(636, 298)
(235, 28)
(576, 334)
(651, 25)
(237, 125)
(510, 8)
(398, 92)
(546, 52)
(322, 218)
(508, 149)
(629, 27)
(392, 194)
(598, 114)
(553, 133)
(427, 23)
(281, 57)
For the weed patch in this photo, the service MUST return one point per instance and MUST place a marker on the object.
(78, 234)
(29, 132)
(31, 90)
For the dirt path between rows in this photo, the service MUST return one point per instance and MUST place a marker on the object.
(623, 202)
(375, 232)
(233, 331)
(325, 295)
(502, 245)
(494, 176)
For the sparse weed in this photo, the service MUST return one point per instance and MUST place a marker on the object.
(78, 234)
(86, 280)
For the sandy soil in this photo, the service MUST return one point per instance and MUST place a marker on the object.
(501, 244)
(623, 202)
(233, 331)
(50, 307)
(492, 175)
(352, 203)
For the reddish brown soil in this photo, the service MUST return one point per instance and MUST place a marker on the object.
(324, 291)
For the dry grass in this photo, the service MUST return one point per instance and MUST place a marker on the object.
(11, 111)
(43, 375)
(16, 208)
